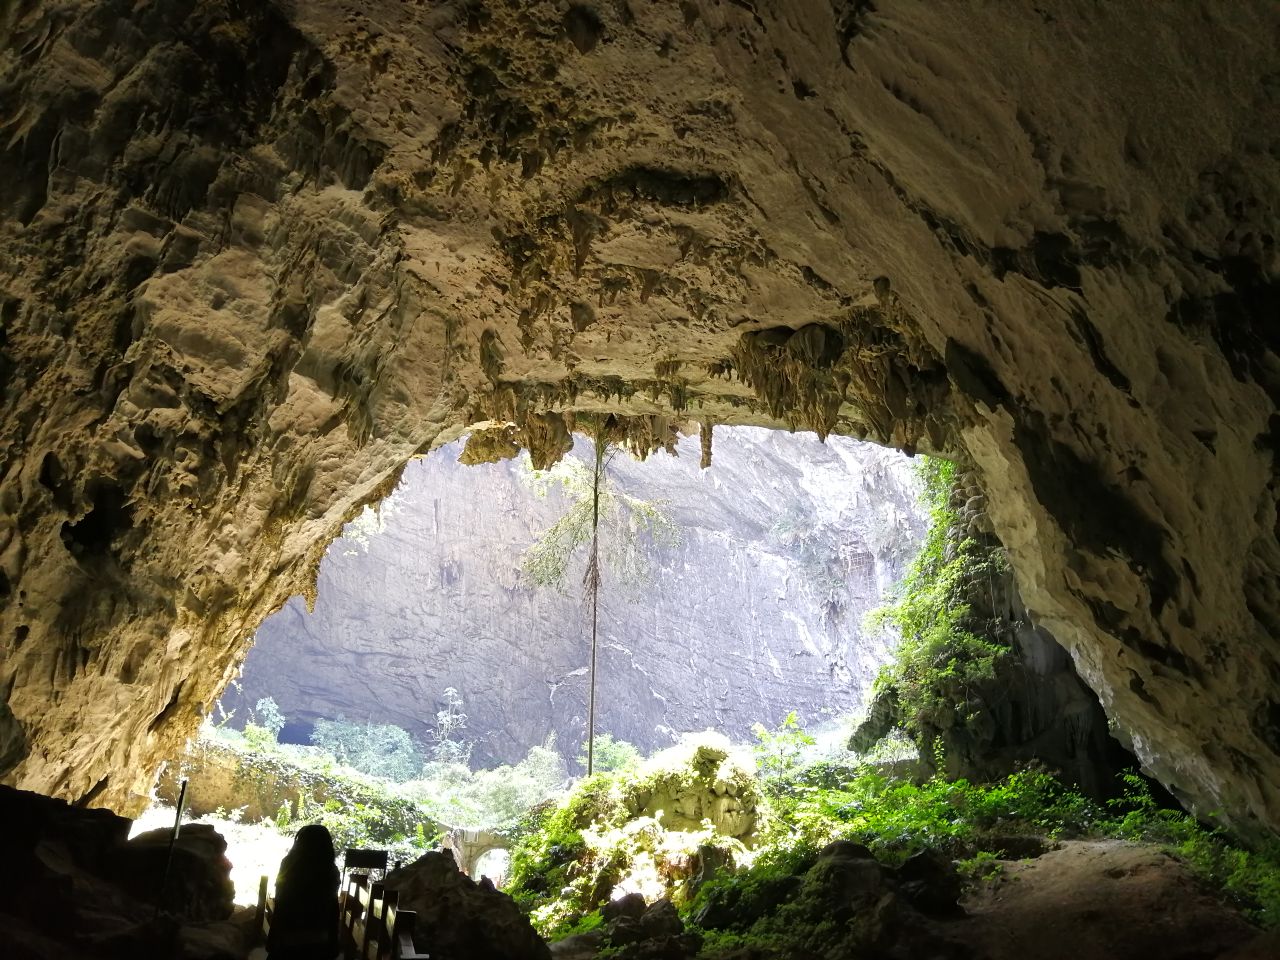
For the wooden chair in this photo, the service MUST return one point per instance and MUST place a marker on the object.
(357, 861)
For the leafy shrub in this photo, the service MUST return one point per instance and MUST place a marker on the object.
(779, 752)
(380, 750)
(489, 799)
(611, 754)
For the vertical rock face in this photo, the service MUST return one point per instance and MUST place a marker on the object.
(253, 257)
(785, 545)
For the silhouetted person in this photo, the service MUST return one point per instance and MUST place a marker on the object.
(305, 925)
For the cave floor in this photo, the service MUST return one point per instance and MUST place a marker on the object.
(1090, 900)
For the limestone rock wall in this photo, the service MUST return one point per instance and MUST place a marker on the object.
(255, 256)
(785, 545)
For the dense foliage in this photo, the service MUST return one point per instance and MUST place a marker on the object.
(378, 749)
(948, 647)
(611, 754)
(972, 823)
(640, 829)
(765, 894)
(370, 784)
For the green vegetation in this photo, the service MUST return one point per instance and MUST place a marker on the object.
(641, 829)
(630, 528)
(379, 750)
(265, 722)
(948, 648)
(762, 890)
(488, 799)
(370, 785)
(611, 754)
(976, 825)
(286, 786)
(779, 752)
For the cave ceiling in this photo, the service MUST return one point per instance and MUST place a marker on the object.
(256, 256)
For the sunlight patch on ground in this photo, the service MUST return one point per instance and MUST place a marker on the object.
(255, 850)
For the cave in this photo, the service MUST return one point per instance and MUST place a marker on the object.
(432, 601)
(257, 257)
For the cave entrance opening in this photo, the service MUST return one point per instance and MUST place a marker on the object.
(739, 594)
(443, 666)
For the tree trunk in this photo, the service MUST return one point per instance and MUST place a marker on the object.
(593, 589)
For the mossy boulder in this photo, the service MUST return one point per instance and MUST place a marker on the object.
(649, 831)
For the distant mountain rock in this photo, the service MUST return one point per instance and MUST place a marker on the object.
(785, 544)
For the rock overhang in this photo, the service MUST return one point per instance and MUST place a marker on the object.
(259, 259)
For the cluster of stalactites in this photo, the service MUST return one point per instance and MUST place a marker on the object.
(548, 436)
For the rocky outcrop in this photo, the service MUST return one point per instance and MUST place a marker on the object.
(1026, 705)
(261, 784)
(785, 544)
(197, 881)
(76, 886)
(256, 257)
(462, 918)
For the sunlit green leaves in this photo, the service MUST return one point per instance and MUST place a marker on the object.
(631, 529)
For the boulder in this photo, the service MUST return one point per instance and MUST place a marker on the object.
(636, 932)
(198, 883)
(932, 884)
(661, 920)
(631, 905)
(459, 919)
(79, 888)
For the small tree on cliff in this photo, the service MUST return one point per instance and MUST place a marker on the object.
(614, 526)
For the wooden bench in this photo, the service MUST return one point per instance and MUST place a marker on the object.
(400, 926)
(373, 925)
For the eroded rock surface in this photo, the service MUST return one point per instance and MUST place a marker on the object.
(255, 257)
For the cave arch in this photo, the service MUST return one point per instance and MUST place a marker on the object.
(256, 259)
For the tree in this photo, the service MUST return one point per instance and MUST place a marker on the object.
(780, 752)
(448, 747)
(380, 750)
(598, 504)
(262, 729)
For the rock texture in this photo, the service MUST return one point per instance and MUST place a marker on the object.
(785, 545)
(257, 256)
(1109, 899)
(461, 918)
(76, 886)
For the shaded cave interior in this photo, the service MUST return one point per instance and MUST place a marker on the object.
(258, 257)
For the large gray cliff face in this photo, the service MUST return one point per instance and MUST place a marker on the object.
(786, 543)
